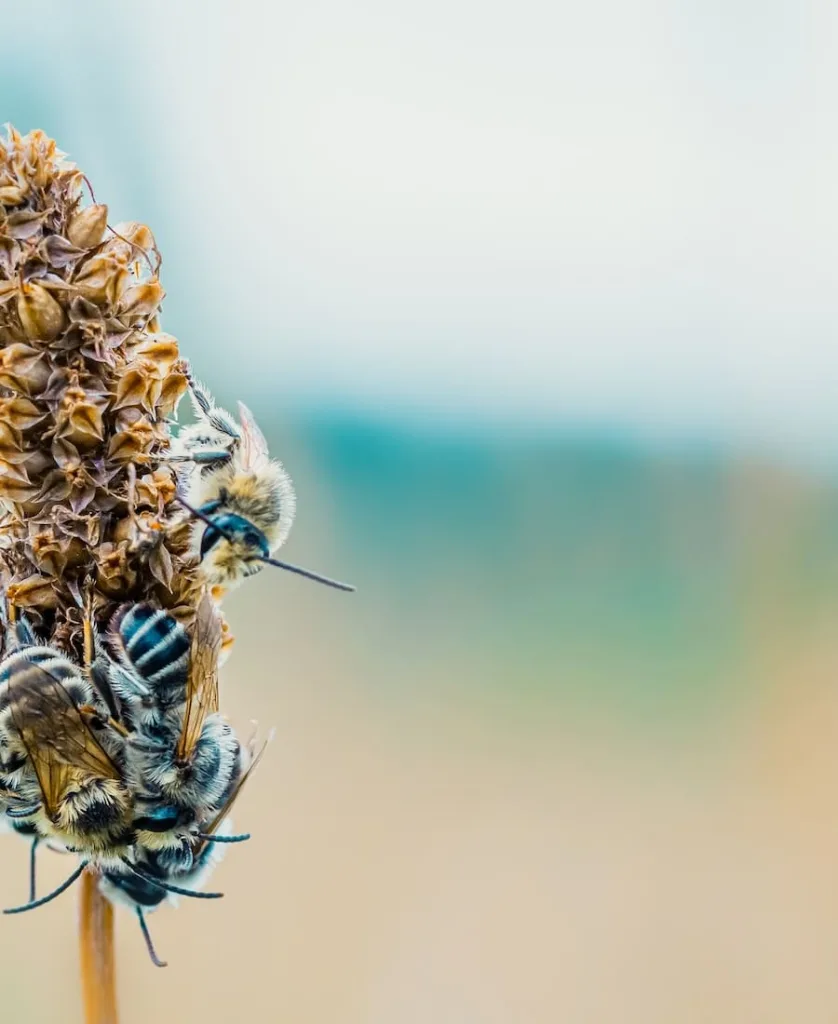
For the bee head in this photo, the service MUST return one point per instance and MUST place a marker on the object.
(163, 818)
(246, 539)
(234, 547)
(245, 549)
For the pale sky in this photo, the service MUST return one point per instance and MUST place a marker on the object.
(601, 214)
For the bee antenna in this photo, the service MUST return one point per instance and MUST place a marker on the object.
(204, 518)
(309, 575)
(55, 892)
(158, 883)
(208, 838)
(149, 945)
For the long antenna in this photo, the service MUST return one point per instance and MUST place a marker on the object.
(55, 892)
(204, 518)
(167, 886)
(307, 573)
(209, 838)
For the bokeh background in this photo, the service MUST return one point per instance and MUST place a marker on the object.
(537, 302)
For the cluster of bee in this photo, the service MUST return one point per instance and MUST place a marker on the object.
(126, 762)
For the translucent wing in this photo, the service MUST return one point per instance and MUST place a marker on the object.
(253, 446)
(215, 824)
(60, 747)
(202, 684)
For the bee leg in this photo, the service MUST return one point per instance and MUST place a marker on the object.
(208, 456)
(149, 945)
(167, 886)
(22, 812)
(32, 850)
(55, 892)
(222, 839)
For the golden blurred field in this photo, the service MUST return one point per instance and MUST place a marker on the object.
(438, 836)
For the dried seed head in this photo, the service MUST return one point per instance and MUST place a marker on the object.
(88, 384)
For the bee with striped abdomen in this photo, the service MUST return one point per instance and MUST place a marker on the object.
(184, 754)
(139, 887)
(70, 789)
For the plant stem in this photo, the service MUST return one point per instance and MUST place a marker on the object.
(98, 971)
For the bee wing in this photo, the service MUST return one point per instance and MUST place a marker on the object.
(215, 824)
(202, 684)
(53, 732)
(253, 445)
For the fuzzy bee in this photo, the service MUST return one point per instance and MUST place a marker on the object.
(143, 894)
(21, 807)
(184, 756)
(68, 788)
(244, 498)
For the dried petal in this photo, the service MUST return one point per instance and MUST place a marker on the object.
(34, 590)
(87, 227)
(114, 572)
(160, 565)
(41, 316)
(20, 413)
(79, 419)
(23, 369)
(142, 299)
(137, 234)
(137, 386)
(23, 224)
(11, 195)
(102, 280)
(174, 388)
(160, 350)
(133, 442)
(156, 489)
(58, 251)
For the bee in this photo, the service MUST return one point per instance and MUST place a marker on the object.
(149, 675)
(185, 757)
(68, 788)
(139, 888)
(20, 803)
(244, 498)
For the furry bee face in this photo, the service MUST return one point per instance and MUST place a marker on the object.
(120, 886)
(232, 549)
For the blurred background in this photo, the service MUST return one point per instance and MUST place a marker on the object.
(537, 304)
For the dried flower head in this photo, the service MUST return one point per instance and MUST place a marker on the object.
(88, 384)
